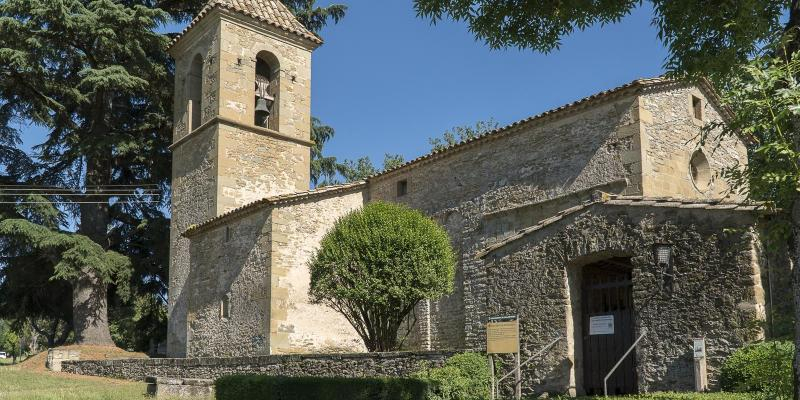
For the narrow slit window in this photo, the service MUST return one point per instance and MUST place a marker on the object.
(697, 107)
(228, 233)
(225, 307)
(402, 188)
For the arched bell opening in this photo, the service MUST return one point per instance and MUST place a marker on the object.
(267, 85)
(194, 93)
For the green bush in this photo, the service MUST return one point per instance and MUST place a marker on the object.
(761, 367)
(463, 377)
(376, 264)
(265, 387)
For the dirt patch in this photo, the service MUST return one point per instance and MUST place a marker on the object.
(88, 352)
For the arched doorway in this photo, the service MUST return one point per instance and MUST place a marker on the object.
(608, 326)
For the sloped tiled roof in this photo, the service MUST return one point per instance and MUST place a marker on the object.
(630, 87)
(606, 199)
(272, 12)
(270, 201)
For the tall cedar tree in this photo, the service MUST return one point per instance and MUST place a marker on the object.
(95, 74)
(717, 42)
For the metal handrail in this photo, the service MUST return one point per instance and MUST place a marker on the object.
(614, 368)
(543, 349)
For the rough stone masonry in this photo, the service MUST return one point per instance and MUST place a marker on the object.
(607, 208)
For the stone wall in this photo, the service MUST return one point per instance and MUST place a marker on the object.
(193, 201)
(671, 134)
(194, 163)
(331, 365)
(296, 325)
(256, 264)
(230, 268)
(532, 162)
(254, 165)
(717, 291)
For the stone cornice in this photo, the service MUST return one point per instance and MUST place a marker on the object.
(251, 128)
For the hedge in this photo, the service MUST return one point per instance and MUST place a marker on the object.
(265, 387)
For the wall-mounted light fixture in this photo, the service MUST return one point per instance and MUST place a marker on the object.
(663, 255)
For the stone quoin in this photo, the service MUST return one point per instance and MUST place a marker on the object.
(559, 219)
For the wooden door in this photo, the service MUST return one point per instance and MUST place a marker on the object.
(608, 327)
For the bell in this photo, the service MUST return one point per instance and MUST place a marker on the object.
(262, 105)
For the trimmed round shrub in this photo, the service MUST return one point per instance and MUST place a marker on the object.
(764, 367)
(376, 264)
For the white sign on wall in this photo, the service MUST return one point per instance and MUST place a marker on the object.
(699, 348)
(601, 325)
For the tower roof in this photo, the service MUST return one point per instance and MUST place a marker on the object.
(272, 12)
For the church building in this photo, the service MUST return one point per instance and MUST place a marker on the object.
(605, 209)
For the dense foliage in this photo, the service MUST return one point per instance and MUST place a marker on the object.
(95, 75)
(701, 40)
(376, 264)
(760, 367)
(463, 377)
(265, 387)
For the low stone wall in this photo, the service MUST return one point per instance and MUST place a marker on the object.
(333, 365)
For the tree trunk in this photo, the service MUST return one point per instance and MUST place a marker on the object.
(89, 291)
(90, 310)
(795, 256)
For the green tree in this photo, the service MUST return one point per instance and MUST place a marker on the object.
(363, 168)
(376, 264)
(9, 341)
(462, 133)
(392, 161)
(95, 74)
(314, 17)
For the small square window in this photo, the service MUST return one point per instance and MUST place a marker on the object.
(697, 107)
(402, 188)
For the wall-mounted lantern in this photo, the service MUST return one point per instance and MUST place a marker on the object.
(663, 255)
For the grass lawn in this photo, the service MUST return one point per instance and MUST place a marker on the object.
(20, 384)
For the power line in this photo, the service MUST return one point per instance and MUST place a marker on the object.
(81, 202)
(82, 194)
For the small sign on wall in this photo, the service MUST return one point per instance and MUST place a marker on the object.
(601, 325)
(699, 348)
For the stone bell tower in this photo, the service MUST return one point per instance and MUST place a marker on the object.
(242, 123)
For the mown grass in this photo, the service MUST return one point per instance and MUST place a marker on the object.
(20, 384)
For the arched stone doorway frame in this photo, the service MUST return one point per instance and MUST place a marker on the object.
(593, 246)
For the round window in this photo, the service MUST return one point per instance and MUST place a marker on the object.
(700, 171)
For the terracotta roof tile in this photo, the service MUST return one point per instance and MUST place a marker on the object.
(272, 12)
(638, 84)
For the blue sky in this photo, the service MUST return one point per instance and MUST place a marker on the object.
(387, 80)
